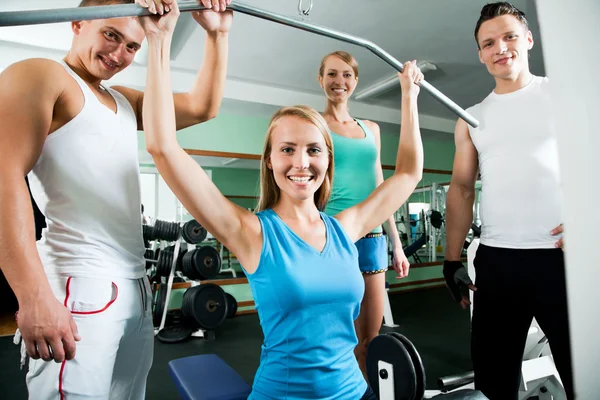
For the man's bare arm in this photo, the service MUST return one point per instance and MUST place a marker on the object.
(28, 95)
(461, 194)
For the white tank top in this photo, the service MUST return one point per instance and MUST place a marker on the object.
(86, 182)
(521, 198)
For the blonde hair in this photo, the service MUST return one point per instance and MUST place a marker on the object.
(344, 56)
(270, 193)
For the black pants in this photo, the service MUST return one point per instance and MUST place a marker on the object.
(513, 286)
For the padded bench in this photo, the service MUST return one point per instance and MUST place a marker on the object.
(207, 377)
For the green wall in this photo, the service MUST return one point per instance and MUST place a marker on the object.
(244, 134)
(231, 133)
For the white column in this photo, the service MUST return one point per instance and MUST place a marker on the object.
(570, 33)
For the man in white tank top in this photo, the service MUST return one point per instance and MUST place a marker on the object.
(84, 301)
(519, 263)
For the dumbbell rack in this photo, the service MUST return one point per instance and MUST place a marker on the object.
(170, 238)
(178, 243)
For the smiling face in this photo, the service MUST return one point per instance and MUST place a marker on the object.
(504, 43)
(338, 77)
(297, 162)
(299, 158)
(107, 46)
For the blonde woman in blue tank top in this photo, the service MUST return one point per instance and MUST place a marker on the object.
(301, 264)
(356, 175)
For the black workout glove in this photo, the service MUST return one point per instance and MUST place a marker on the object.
(457, 279)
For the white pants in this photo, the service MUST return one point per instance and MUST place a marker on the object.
(114, 355)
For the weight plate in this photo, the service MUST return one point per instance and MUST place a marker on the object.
(232, 305)
(206, 305)
(187, 266)
(193, 232)
(174, 334)
(207, 262)
(159, 306)
(417, 363)
(389, 349)
(148, 232)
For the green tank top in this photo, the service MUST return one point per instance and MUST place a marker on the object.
(354, 174)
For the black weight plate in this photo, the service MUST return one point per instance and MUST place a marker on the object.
(158, 229)
(171, 231)
(168, 270)
(187, 307)
(417, 362)
(171, 250)
(207, 262)
(158, 234)
(389, 349)
(436, 219)
(149, 256)
(193, 232)
(163, 266)
(148, 232)
(207, 305)
(166, 231)
(174, 318)
(180, 259)
(187, 267)
(159, 306)
(174, 230)
(174, 334)
(232, 305)
(177, 230)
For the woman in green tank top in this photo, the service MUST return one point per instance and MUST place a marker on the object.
(357, 172)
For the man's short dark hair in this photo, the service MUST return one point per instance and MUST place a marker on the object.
(493, 10)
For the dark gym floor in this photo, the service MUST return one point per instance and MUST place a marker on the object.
(437, 326)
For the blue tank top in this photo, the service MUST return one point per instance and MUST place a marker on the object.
(355, 171)
(307, 302)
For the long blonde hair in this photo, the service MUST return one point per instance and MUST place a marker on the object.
(270, 193)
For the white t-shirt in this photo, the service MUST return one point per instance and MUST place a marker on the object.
(521, 199)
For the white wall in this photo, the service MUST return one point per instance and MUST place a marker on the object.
(570, 33)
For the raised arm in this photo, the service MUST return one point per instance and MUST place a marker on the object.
(203, 101)
(400, 263)
(28, 94)
(394, 191)
(237, 228)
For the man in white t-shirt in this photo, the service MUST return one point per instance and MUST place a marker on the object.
(519, 263)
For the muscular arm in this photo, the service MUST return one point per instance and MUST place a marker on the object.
(203, 101)
(26, 106)
(29, 91)
(461, 194)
